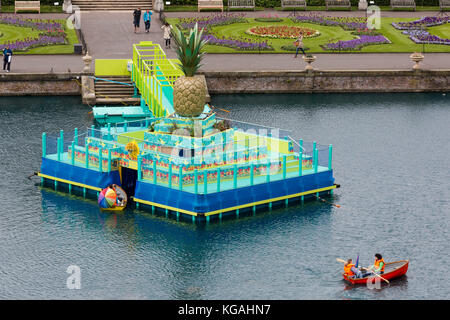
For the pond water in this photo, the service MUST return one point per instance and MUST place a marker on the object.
(391, 157)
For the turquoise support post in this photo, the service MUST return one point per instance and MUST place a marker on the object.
(330, 152)
(109, 131)
(93, 131)
(44, 145)
(170, 175)
(154, 172)
(247, 148)
(314, 153)
(72, 156)
(235, 176)
(180, 178)
(100, 159)
(109, 160)
(284, 167)
(87, 156)
(196, 181)
(70, 188)
(193, 219)
(75, 136)
(139, 167)
(58, 149)
(252, 175)
(205, 182)
(300, 163)
(316, 162)
(218, 179)
(61, 135)
(125, 126)
(207, 219)
(268, 171)
(300, 142)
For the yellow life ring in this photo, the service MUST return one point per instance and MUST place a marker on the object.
(133, 149)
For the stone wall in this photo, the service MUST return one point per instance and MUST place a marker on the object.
(327, 81)
(40, 84)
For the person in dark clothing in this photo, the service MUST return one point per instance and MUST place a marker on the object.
(136, 19)
(7, 56)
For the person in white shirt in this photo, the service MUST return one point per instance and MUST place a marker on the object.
(167, 28)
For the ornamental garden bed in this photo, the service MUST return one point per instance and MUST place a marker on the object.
(36, 36)
(236, 33)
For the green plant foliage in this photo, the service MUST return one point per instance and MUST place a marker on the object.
(189, 50)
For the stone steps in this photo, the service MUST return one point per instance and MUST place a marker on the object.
(113, 5)
(107, 92)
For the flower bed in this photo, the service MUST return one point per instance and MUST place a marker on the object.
(355, 44)
(347, 23)
(282, 32)
(216, 19)
(416, 30)
(237, 43)
(421, 23)
(51, 32)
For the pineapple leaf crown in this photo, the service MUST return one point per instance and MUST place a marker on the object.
(189, 50)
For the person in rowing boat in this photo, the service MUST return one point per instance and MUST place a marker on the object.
(378, 265)
(350, 270)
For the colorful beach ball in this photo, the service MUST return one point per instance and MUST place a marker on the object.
(107, 198)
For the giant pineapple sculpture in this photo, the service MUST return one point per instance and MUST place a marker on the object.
(189, 92)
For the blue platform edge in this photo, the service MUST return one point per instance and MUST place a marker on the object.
(200, 203)
(81, 175)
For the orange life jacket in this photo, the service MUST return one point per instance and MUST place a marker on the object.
(377, 264)
(348, 269)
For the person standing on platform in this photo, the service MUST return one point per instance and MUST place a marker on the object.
(7, 56)
(136, 19)
(147, 20)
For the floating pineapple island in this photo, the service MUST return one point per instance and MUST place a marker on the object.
(182, 160)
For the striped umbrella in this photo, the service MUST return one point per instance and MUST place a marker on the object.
(107, 198)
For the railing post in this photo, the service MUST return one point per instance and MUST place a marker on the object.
(300, 162)
(58, 148)
(93, 131)
(87, 156)
(180, 178)
(170, 175)
(75, 136)
(109, 160)
(139, 167)
(330, 152)
(100, 159)
(205, 181)
(284, 167)
(235, 176)
(61, 135)
(109, 131)
(125, 126)
(73, 153)
(44, 144)
(268, 171)
(316, 160)
(218, 179)
(196, 181)
(252, 177)
(154, 172)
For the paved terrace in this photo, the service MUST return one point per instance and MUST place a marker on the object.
(110, 35)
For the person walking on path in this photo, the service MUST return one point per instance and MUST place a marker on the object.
(7, 56)
(167, 33)
(147, 20)
(136, 19)
(299, 44)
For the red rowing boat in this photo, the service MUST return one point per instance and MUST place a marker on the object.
(392, 270)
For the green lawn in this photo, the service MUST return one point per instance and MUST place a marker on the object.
(400, 42)
(13, 33)
(44, 9)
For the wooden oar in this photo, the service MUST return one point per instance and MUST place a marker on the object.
(341, 260)
(379, 276)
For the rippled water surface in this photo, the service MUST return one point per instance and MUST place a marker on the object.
(391, 157)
